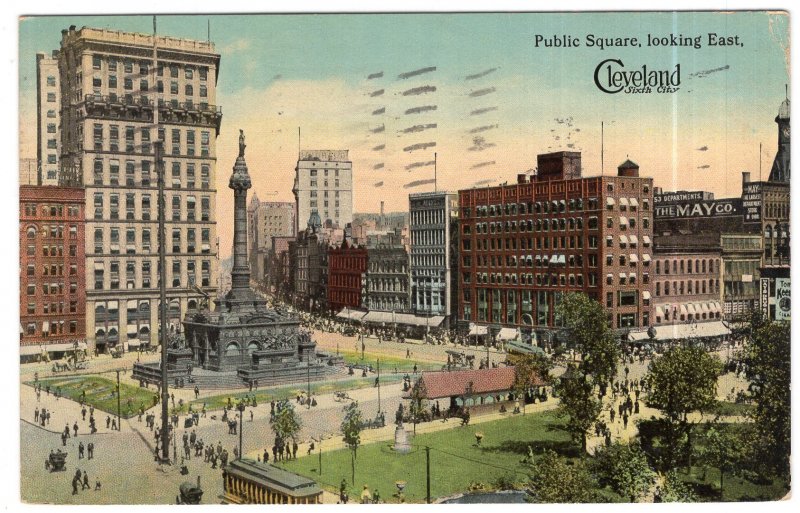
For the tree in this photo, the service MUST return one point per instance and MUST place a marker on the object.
(555, 481)
(768, 362)
(416, 407)
(675, 490)
(721, 451)
(578, 403)
(625, 469)
(530, 370)
(285, 423)
(591, 337)
(351, 429)
(682, 381)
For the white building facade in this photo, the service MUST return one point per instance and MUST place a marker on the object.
(109, 90)
(324, 183)
(48, 122)
(432, 220)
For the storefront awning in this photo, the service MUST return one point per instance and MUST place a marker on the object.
(691, 308)
(350, 314)
(507, 334)
(28, 350)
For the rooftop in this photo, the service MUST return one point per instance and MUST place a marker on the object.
(138, 39)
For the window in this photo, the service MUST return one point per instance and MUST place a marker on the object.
(97, 83)
(190, 208)
(98, 240)
(97, 62)
(173, 87)
(129, 173)
(188, 90)
(145, 173)
(114, 204)
(176, 241)
(176, 175)
(51, 113)
(51, 97)
(203, 73)
(51, 128)
(52, 158)
(204, 138)
(176, 273)
(146, 240)
(114, 275)
(176, 208)
(203, 91)
(52, 144)
(205, 173)
(176, 141)
(51, 81)
(127, 84)
(205, 208)
(130, 241)
(98, 205)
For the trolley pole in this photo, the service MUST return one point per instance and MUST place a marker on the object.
(427, 474)
(119, 417)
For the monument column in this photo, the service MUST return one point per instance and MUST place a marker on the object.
(240, 182)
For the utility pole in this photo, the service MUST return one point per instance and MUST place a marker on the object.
(379, 386)
(427, 474)
(119, 417)
(240, 407)
(308, 381)
(320, 455)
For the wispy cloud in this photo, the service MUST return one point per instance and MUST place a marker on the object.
(237, 45)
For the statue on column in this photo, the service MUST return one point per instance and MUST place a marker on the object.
(242, 145)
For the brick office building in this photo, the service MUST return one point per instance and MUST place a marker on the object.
(52, 275)
(347, 265)
(524, 245)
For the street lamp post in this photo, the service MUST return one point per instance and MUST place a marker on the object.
(119, 417)
(240, 407)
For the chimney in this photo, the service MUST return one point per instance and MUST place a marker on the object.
(745, 177)
(381, 209)
(521, 178)
(657, 190)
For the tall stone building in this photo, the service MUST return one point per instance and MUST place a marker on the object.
(524, 245)
(52, 282)
(323, 183)
(110, 91)
(28, 171)
(387, 287)
(433, 220)
(48, 119)
(266, 219)
(347, 266)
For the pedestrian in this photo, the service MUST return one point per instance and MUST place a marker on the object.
(108, 422)
(75, 481)
(114, 424)
(251, 415)
(90, 450)
(274, 453)
(408, 353)
(196, 391)
(80, 451)
(294, 449)
(97, 486)
(48, 417)
(266, 456)
(625, 421)
(85, 481)
(75, 428)
(83, 413)
(36, 415)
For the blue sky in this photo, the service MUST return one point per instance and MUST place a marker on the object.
(279, 72)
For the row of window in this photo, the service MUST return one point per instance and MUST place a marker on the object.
(140, 175)
(325, 184)
(145, 245)
(144, 86)
(688, 265)
(710, 286)
(111, 63)
(51, 270)
(52, 288)
(145, 213)
(313, 194)
(313, 173)
(53, 231)
(51, 308)
(112, 280)
(52, 250)
(54, 328)
(142, 144)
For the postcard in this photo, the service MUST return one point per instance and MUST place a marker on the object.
(451, 258)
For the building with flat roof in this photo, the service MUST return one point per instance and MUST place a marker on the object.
(48, 118)
(524, 245)
(113, 92)
(323, 182)
(433, 225)
(252, 482)
(52, 270)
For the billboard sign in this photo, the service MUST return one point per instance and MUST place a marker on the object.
(751, 202)
(765, 297)
(783, 295)
(699, 209)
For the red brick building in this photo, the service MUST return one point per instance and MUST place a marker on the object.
(347, 265)
(524, 245)
(52, 275)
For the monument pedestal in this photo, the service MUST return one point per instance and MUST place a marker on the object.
(401, 444)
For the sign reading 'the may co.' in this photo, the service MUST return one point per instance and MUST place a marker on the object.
(708, 208)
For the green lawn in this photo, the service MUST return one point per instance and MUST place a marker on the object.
(101, 393)
(456, 462)
(265, 395)
(727, 408)
(705, 480)
(388, 363)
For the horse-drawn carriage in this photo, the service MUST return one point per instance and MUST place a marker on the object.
(190, 493)
(56, 462)
(378, 422)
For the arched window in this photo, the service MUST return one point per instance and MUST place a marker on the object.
(232, 349)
